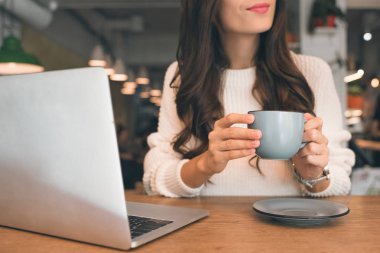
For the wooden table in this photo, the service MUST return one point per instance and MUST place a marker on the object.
(232, 227)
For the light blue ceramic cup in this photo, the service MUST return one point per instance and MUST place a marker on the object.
(282, 133)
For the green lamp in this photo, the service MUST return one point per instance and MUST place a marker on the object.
(14, 60)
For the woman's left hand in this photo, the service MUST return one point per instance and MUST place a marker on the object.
(313, 158)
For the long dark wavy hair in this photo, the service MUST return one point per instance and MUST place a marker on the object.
(201, 60)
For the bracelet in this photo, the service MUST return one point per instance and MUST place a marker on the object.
(311, 182)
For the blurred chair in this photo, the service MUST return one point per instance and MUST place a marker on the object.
(361, 157)
(132, 172)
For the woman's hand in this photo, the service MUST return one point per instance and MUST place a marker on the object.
(227, 142)
(313, 158)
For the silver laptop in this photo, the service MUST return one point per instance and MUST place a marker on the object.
(59, 164)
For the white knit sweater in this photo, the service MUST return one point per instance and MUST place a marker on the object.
(162, 164)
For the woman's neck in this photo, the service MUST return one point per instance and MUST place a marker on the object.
(240, 49)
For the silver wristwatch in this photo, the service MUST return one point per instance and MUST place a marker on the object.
(311, 182)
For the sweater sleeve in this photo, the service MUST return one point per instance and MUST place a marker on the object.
(327, 107)
(162, 165)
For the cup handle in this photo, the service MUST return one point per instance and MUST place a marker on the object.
(303, 144)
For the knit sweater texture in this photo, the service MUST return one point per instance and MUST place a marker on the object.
(162, 165)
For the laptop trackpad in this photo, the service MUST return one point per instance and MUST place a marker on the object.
(171, 217)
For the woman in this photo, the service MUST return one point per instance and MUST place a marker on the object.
(232, 58)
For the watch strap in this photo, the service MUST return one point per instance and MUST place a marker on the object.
(311, 182)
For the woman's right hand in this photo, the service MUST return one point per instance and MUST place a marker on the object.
(227, 142)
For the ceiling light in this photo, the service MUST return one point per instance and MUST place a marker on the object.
(128, 91)
(155, 93)
(367, 36)
(14, 60)
(155, 100)
(131, 82)
(375, 82)
(97, 57)
(143, 76)
(108, 67)
(119, 71)
(130, 85)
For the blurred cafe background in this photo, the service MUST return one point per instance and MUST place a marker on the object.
(135, 41)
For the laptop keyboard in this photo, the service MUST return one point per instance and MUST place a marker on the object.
(142, 225)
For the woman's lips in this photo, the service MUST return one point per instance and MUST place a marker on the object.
(259, 8)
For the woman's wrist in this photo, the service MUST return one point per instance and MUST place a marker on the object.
(195, 172)
(313, 184)
(319, 187)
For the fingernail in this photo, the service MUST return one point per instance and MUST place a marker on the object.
(250, 118)
(308, 116)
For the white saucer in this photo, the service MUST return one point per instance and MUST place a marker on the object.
(300, 211)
